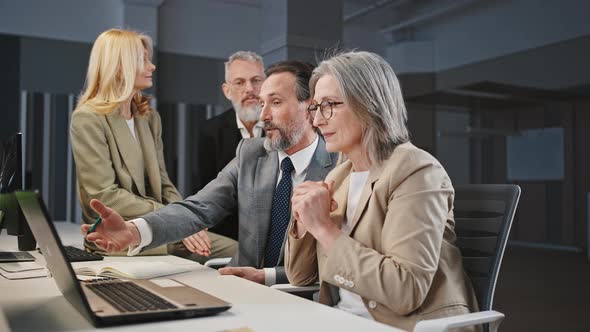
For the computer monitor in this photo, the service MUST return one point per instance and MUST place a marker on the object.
(11, 180)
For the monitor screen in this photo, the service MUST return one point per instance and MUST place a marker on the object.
(11, 180)
(11, 162)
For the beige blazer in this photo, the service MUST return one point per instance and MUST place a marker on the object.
(127, 175)
(399, 256)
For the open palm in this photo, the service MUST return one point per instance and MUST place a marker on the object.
(113, 233)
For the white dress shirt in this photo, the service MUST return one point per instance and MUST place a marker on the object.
(131, 125)
(300, 161)
(349, 301)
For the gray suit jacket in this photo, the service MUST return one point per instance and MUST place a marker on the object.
(247, 182)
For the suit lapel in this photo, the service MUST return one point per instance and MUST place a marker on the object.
(266, 177)
(150, 157)
(341, 195)
(374, 174)
(128, 148)
(316, 171)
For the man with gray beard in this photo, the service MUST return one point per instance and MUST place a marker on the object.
(258, 182)
(220, 135)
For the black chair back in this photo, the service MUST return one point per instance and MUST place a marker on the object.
(483, 217)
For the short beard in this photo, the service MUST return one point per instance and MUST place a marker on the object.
(288, 137)
(248, 114)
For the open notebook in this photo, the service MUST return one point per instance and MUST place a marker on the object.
(127, 270)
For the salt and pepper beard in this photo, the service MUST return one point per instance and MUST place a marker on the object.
(248, 114)
(287, 137)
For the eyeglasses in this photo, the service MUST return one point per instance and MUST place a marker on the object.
(240, 83)
(325, 107)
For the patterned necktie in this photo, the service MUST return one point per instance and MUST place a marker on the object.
(280, 215)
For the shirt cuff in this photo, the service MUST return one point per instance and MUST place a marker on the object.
(270, 276)
(145, 235)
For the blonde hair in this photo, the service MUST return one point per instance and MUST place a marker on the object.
(371, 88)
(115, 59)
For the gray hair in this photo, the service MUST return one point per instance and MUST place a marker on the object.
(244, 56)
(369, 85)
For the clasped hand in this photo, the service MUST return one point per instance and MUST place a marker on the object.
(312, 203)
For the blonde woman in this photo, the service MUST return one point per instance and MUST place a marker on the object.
(116, 139)
(379, 232)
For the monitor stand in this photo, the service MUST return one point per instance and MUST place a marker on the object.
(17, 256)
(26, 240)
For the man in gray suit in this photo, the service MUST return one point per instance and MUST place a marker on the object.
(249, 181)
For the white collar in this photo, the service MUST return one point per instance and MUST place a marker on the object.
(301, 158)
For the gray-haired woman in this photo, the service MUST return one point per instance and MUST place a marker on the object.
(379, 232)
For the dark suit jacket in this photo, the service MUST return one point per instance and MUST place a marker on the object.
(218, 139)
(247, 183)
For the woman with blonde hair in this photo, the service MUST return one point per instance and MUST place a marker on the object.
(379, 232)
(116, 138)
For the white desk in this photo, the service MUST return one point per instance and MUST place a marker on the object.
(37, 304)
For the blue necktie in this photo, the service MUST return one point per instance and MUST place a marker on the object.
(280, 215)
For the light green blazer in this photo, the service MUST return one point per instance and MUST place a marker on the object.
(126, 174)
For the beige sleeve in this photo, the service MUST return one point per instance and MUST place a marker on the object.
(301, 264)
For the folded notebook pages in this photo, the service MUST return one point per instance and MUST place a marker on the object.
(128, 270)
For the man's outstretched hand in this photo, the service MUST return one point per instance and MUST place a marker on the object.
(113, 233)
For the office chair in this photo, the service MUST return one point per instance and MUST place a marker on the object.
(483, 218)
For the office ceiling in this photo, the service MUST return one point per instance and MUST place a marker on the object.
(387, 16)
(398, 16)
(487, 83)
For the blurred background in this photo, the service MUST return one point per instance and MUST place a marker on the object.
(498, 91)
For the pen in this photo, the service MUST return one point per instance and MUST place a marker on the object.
(93, 227)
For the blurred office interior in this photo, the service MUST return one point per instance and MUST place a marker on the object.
(498, 91)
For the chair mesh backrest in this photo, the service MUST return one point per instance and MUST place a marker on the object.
(483, 217)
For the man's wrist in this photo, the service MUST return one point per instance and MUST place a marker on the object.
(135, 236)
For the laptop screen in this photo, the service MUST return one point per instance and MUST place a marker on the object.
(44, 231)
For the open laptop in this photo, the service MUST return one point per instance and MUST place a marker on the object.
(112, 302)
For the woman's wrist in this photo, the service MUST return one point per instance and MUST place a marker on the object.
(328, 234)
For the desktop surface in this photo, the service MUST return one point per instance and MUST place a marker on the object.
(35, 304)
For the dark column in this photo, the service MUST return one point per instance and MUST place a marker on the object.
(300, 29)
(9, 85)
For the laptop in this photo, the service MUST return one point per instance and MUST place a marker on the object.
(114, 301)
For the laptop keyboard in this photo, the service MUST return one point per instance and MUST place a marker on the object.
(129, 297)
(79, 255)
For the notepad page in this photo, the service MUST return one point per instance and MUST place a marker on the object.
(130, 270)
